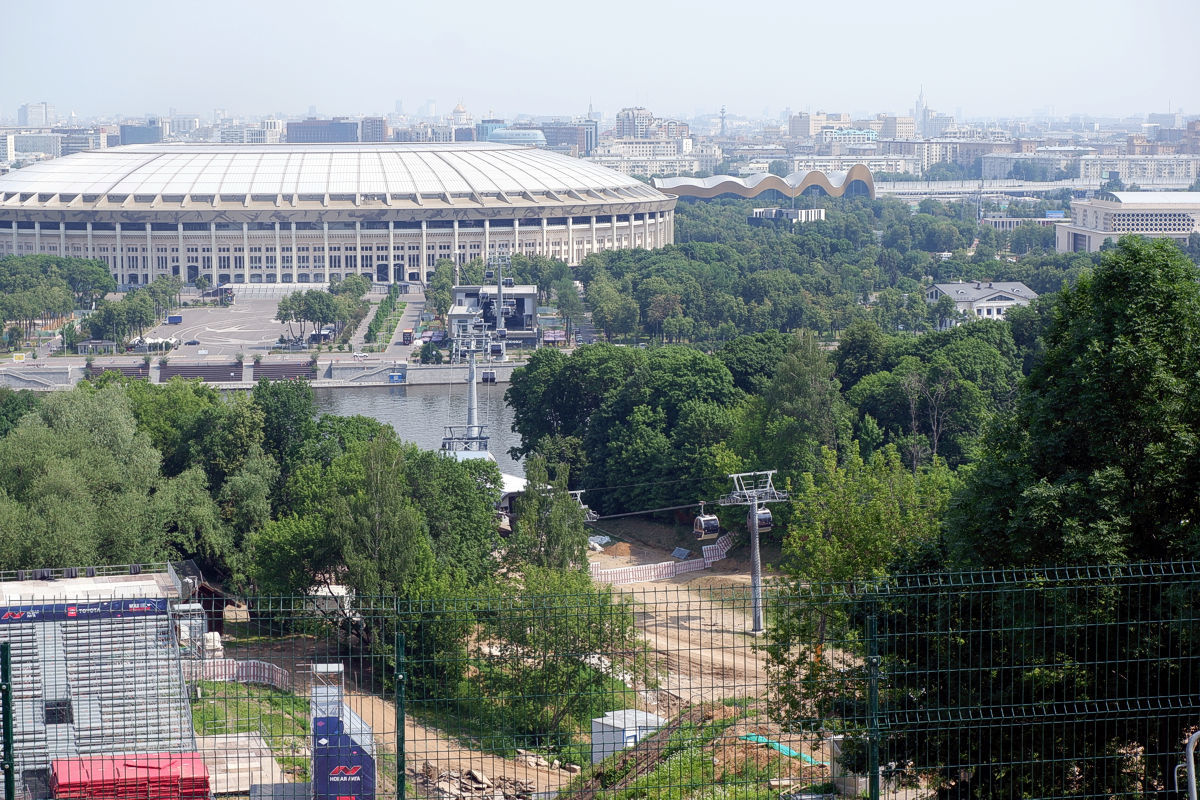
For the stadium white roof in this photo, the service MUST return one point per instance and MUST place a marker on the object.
(476, 170)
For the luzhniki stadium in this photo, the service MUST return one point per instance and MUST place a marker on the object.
(314, 213)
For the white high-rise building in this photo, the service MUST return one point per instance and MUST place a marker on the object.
(633, 123)
(35, 115)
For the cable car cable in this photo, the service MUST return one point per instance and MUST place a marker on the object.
(635, 485)
(647, 511)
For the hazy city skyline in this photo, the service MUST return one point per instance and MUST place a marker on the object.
(135, 58)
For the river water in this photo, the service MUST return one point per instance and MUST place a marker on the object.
(420, 413)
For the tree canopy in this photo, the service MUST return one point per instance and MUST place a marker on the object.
(1097, 461)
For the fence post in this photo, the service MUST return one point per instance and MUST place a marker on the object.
(10, 775)
(402, 777)
(872, 705)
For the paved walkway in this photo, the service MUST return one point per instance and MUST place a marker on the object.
(412, 316)
(414, 305)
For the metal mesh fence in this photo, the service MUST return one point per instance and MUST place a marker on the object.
(1081, 682)
(1069, 683)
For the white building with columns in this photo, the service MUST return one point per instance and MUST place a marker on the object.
(314, 213)
(1111, 215)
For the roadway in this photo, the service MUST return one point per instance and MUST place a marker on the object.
(1014, 187)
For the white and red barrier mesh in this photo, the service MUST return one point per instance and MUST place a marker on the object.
(666, 569)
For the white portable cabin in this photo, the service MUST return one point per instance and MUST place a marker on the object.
(618, 730)
(847, 783)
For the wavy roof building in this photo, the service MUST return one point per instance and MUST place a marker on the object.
(311, 213)
(855, 182)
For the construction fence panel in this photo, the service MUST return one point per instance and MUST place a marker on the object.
(1070, 682)
(1079, 682)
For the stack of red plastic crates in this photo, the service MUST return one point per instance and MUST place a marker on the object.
(146, 776)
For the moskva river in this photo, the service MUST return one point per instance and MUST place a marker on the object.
(420, 413)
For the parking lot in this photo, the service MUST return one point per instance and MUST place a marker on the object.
(245, 327)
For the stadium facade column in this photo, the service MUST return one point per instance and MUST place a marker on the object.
(424, 261)
(37, 237)
(545, 236)
(91, 247)
(14, 237)
(570, 259)
(325, 247)
(487, 239)
(151, 263)
(516, 236)
(179, 249)
(213, 263)
(62, 239)
(594, 246)
(246, 253)
(391, 254)
(457, 255)
(293, 264)
(120, 261)
(357, 247)
(278, 254)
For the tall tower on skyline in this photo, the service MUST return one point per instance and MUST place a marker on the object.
(920, 111)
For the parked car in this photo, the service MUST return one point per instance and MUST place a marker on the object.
(191, 342)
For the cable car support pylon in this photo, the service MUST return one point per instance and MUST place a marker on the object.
(755, 489)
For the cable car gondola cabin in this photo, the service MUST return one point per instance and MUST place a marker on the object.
(765, 520)
(706, 526)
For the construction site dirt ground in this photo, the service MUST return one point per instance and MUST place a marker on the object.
(422, 743)
(699, 623)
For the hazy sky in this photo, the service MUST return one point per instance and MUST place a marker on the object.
(137, 57)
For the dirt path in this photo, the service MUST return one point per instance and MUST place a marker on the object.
(698, 624)
(423, 744)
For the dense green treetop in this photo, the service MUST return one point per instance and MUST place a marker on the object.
(753, 359)
(1099, 461)
(607, 412)
(122, 470)
(550, 529)
(869, 259)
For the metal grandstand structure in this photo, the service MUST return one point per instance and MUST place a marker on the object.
(93, 677)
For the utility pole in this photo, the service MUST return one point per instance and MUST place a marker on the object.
(755, 490)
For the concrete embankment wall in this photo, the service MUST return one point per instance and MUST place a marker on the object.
(330, 374)
(41, 377)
